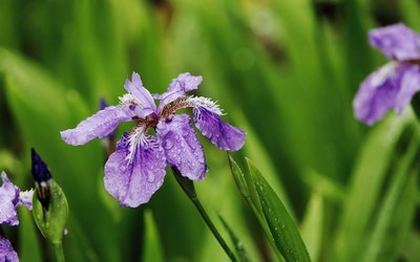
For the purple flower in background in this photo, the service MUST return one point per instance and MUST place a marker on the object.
(6, 251)
(137, 167)
(10, 198)
(394, 84)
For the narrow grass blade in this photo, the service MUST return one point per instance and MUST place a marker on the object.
(394, 203)
(313, 225)
(152, 250)
(239, 247)
(367, 180)
(283, 228)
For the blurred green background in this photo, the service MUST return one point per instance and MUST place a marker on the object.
(286, 71)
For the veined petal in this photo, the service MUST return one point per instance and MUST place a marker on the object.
(377, 94)
(136, 88)
(9, 199)
(181, 146)
(409, 86)
(136, 170)
(179, 86)
(7, 253)
(99, 125)
(396, 41)
(207, 117)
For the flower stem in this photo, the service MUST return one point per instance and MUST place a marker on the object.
(188, 187)
(416, 105)
(58, 251)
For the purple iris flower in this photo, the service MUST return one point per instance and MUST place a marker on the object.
(394, 84)
(6, 251)
(136, 170)
(10, 198)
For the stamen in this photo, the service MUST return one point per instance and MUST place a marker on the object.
(191, 102)
(412, 61)
(127, 99)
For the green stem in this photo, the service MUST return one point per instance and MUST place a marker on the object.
(416, 105)
(188, 187)
(58, 252)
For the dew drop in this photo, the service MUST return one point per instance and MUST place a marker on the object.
(150, 178)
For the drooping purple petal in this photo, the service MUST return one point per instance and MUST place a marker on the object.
(396, 41)
(136, 170)
(207, 117)
(179, 86)
(99, 125)
(7, 253)
(220, 133)
(377, 93)
(409, 86)
(182, 148)
(10, 198)
(136, 88)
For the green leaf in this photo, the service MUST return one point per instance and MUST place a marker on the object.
(239, 246)
(42, 108)
(313, 225)
(52, 221)
(152, 250)
(283, 228)
(29, 246)
(247, 188)
(367, 179)
(393, 204)
(410, 249)
(325, 186)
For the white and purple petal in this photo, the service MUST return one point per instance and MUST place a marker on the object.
(10, 198)
(136, 170)
(136, 88)
(179, 86)
(376, 94)
(207, 117)
(99, 125)
(7, 253)
(409, 85)
(181, 146)
(25, 198)
(396, 41)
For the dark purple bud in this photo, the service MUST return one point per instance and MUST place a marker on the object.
(42, 177)
(102, 103)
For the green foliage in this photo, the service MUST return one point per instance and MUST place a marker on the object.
(52, 221)
(282, 226)
(285, 71)
(152, 250)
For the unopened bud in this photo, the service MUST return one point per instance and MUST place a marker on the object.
(50, 207)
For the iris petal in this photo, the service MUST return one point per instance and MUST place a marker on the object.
(221, 134)
(136, 88)
(10, 198)
(136, 170)
(7, 253)
(392, 86)
(396, 41)
(182, 148)
(100, 125)
(179, 86)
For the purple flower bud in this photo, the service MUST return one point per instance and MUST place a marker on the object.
(42, 177)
